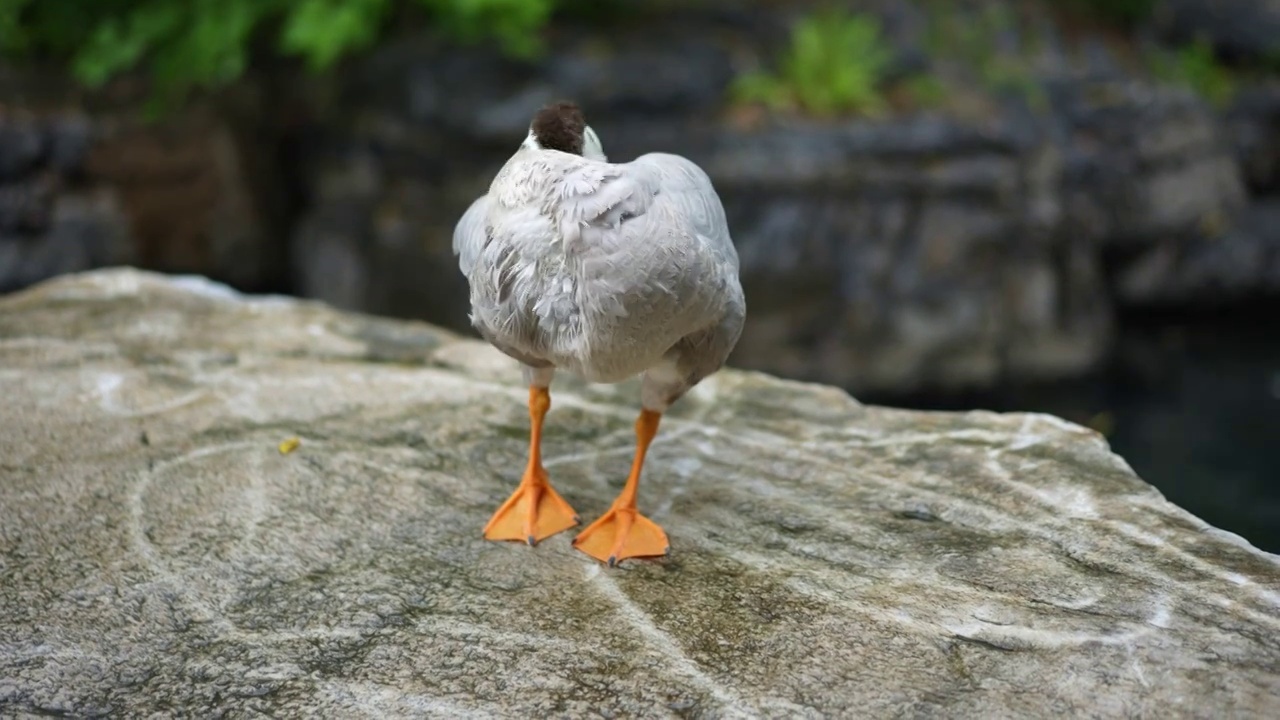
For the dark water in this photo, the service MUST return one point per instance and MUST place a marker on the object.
(1193, 404)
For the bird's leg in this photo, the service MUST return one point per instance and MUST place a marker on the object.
(534, 511)
(623, 532)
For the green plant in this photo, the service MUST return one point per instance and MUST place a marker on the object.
(1196, 67)
(188, 44)
(836, 62)
(1008, 75)
(926, 90)
(987, 45)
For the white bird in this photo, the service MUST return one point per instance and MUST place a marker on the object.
(607, 270)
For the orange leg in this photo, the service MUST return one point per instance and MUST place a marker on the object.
(534, 511)
(623, 532)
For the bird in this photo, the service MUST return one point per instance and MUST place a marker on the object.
(607, 271)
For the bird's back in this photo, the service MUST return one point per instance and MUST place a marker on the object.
(596, 267)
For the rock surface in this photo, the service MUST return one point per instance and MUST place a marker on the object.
(160, 555)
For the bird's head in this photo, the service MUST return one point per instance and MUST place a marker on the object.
(562, 126)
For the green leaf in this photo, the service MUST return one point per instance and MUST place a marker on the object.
(1196, 67)
(324, 30)
(837, 62)
(760, 88)
(12, 38)
(188, 44)
(513, 23)
(118, 43)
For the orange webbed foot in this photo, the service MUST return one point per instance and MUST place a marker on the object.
(622, 533)
(534, 512)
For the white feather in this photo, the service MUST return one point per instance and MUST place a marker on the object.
(604, 269)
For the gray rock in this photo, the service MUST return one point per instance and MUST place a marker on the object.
(83, 231)
(1144, 162)
(917, 254)
(1239, 28)
(198, 192)
(23, 145)
(1253, 123)
(71, 137)
(25, 207)
(160, 556)
(1231, 264)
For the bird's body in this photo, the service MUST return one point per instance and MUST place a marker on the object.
(606, 270)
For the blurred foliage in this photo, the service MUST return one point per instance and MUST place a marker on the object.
(991, 46)
(925, 90)
(837, 62)
(187, 44)
(1196, 67)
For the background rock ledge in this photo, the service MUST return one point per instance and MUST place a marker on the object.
(159, 556)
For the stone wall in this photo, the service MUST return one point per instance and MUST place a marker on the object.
(51, 220)
(88, 180)
(931, 250)
(928, 250)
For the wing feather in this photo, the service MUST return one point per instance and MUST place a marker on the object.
(469, 234)
(656, 247)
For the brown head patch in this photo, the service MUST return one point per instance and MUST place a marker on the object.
(560, 126)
